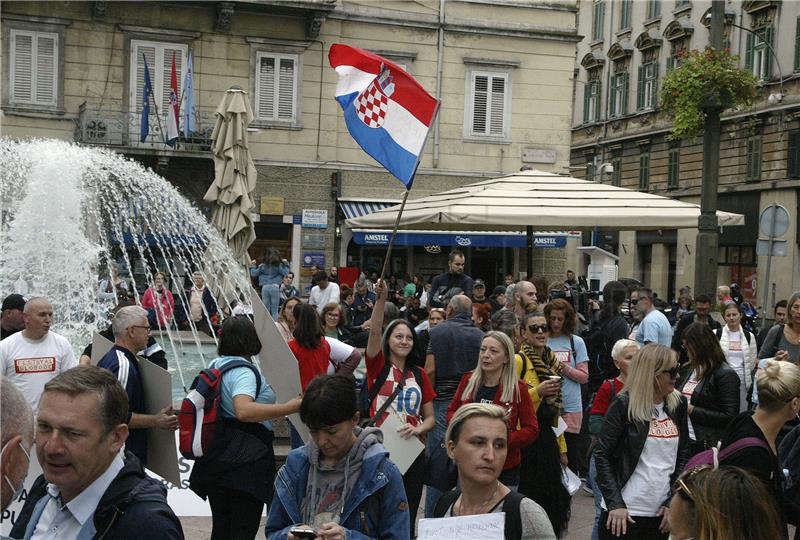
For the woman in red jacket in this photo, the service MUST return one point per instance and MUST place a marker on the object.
(494, 380)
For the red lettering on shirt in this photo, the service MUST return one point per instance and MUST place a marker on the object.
(35, 365)
(663, 429)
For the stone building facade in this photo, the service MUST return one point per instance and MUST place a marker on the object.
(627, 48)
(503, 71)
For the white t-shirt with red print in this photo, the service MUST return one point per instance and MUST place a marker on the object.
(648, 486)
(688, 390)
(409, 401)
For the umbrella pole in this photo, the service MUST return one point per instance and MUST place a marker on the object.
(394, 233)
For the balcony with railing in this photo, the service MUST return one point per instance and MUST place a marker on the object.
(108, 126)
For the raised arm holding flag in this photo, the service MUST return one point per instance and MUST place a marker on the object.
(387, 112)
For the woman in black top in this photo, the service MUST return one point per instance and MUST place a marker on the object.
(642, 448)
(779, 402)
(711, 387)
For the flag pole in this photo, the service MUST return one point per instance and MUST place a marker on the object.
(394, 233)
(158, 116)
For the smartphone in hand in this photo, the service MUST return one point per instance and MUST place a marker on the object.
(306, 533)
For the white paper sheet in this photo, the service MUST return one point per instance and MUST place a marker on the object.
(561, 427)
(402, 451)
(278, 364)
(478, 527)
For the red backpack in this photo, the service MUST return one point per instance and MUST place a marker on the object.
(201, 410)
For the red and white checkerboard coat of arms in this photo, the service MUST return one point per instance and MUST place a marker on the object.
(373, 102)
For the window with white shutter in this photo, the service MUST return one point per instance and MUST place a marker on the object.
(34, 68)
(276, 87)
(488, 105)
(159, 57)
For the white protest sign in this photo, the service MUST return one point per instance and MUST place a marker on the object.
(478, 527)
(277, 361)
(402, 451)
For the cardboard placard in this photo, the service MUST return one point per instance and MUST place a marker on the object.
(402, 451)
(162, 454)
(100, 346)
(277, 361)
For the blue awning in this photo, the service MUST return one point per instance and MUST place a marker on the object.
(461, 239)
(358, 208)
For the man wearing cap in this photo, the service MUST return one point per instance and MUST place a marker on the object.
(11, 316)
(498, 298)
(479, 292)
(35, 355)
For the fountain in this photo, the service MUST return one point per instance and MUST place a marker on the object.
(67, 212)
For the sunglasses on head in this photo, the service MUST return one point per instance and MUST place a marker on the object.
(687, 476)
(536, 328)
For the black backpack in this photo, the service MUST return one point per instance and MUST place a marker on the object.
(511, 502)
(598, 347)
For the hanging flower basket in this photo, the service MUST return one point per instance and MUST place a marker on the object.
(705, 80)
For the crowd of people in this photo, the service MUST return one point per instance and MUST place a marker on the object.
(680, 429)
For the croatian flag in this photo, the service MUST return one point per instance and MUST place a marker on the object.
(387, 112)
(172, 108)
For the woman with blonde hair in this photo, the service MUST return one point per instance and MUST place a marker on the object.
(779, 402)
(478, 442)
(494, 380)
(710, 504)
(643, 446)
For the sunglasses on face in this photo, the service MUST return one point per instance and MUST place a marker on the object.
(673, 371)
(633, 301)
(536, 328)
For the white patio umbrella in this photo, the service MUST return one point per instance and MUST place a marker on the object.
(541, 200)
(235, 174)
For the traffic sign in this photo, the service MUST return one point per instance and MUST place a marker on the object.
(774, 221)
(778, 247)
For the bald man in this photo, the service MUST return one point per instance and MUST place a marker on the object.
(32, 357)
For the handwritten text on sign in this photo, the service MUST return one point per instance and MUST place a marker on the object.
(479, 527)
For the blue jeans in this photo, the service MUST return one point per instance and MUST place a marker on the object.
(271, 295)
(597, 496)
(435, 438)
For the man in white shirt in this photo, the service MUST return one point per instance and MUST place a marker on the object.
(324, 292)
(89, 487)
(32, 357)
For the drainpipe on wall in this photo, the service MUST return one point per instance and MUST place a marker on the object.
(439, 71)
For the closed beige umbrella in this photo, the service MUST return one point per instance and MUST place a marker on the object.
(234, 174)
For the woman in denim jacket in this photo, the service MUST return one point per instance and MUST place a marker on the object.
(341, 484)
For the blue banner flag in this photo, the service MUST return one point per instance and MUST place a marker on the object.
(189, 123)
(146, 94)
